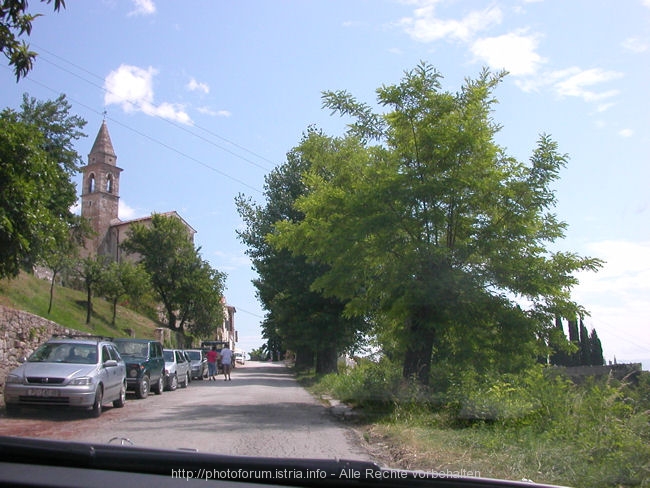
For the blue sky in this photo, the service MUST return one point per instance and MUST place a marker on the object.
(204, 98)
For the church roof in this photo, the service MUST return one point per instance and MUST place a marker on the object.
(103, 142)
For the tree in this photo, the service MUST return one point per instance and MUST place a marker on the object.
(90, 271)
(15, 21)
(434, 228)
(596, 358)
(298, 318)
(584, 352)
(121, 280)
(64, 255)
(202, 308)
(36, 188)
(188, 288)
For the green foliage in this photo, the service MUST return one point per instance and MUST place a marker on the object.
(15, 21)
(434, 231)
(189, 289)
(90, 271)
(531, 425)
(123, 280)
(299, 317)
(372, 385)
(36, 190)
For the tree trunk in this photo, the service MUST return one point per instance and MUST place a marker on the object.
(304, 359)
(419, 347)
(114, 312)
(89, 303)
(326, 360)
(49, 308)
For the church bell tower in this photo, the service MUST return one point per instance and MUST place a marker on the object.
(100, 194)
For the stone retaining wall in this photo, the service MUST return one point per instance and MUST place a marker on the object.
(20, 334)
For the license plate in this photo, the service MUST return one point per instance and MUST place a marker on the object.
(43, 392)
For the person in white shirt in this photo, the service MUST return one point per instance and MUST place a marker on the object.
(226, 362)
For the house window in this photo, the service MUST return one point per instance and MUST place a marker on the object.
(109, 183)
(91, 183)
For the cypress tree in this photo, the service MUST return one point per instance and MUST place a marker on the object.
(596, 358)
(585, 346)
(574, 338)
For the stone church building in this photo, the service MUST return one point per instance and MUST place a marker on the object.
(100, 196)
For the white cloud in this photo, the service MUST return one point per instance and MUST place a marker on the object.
(514, 52)
(217, 113)
(424, 26)
(124, 211)
(635, 44)
(626, 132)
(194, 85)
(131, 88)
(575, 82)
(143, 7)
(602, 107)
(579, 83)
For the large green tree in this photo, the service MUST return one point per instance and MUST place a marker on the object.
(36, 187)
(305, 321)
(425, 221)
(188, 288)
(16, 21)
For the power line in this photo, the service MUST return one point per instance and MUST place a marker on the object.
(146, 136)
(185, 129)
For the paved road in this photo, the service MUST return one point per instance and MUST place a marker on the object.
(261, 412)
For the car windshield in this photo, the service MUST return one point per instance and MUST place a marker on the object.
(413, 233)
(132, 349)
(65, 353)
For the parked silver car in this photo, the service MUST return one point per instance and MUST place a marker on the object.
(198, 363)
(177, 369)
(84, 372)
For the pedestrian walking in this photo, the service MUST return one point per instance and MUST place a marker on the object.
(226, 362)
(212, 355)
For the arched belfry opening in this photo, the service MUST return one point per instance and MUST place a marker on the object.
(109, 183)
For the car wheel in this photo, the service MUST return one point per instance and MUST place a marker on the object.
(160, 385)
(143, 389)
(173, 382)
(96, 409)
(119, 403)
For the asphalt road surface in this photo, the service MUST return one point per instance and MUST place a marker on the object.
(261, 412)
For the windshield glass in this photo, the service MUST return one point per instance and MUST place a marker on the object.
(132, 349)
(414, 233)
(194, 355)
(65, 353)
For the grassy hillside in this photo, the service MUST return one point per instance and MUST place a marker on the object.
(26, 292)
